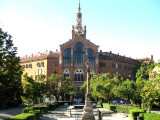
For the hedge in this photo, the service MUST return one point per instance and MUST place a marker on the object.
(135, 112)
(52, 106)
(36, 112)
(63, 102)
(24, 116)
(109, 106)
(27, 109)
(41, 108)
(33, 108)
(150, 116)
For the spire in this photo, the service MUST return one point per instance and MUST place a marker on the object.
(79, 8)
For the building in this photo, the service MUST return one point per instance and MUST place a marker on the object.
(73, 55)
(42, 63)
(154, 72)
(146, 60)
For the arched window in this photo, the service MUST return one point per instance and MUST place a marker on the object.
(79, 53)
(66, 74)
(67, 56)
(91, 55)
(79, 75)
(91, 73)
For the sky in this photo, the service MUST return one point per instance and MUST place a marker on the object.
(127, 27)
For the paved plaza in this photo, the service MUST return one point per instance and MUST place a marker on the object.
(66, 113)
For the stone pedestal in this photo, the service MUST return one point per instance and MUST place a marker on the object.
(88, 111)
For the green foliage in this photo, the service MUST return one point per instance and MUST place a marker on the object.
(135, 112)
(33, 90)
(68, 87)
(36, 112)
(54, 82)
(125, 90)
(10, 71)
(27, 109)
(101, 86)
(109, 106)
(151, 92)
(41, 108)
(150, 116)
(24, 116)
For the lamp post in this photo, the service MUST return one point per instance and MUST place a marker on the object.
(88, 110)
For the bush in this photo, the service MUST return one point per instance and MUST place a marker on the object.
(100, 104)
(135, 112)
(52, 106)
(109, 106)
(150, 116)
(41, 108)
(125, 109)
(36, 112)
(27, 109)
(62, 102)
(24, 116)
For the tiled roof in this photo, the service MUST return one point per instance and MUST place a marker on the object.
(144, 59)
(40, 57)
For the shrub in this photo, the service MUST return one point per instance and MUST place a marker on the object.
(41, 108)
(109, 106)
(135, 112)
(36, 112)
(27, 109)
(24, 116)
(125, 109)
(150, 116)
(52, 106)
(100, 104)
(62, 102)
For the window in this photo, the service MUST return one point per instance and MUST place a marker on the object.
(67, 56)
(113, 65)
(125, 67)
(30, 65)
(129, 68)
(66, 74)
(26, 65)
(91, 55)
(55, 64)
(79, 53)
(91, 73)
(42, 64)
(38, 65)
(55, 72)
(119, 66)
(78, 75)
(102, 64)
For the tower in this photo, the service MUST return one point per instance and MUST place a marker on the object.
(76, 51)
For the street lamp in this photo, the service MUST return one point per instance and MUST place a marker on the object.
(88, 110)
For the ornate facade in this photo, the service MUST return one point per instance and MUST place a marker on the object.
(73, 55)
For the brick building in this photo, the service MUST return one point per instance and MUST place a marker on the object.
(73, 55)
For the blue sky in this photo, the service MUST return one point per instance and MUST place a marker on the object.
(127, 27)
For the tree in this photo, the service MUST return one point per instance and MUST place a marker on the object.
(125, 90)
(10, 71)
(140, 82)
(33, 90)
(54, 82)
(151, 92)
(101, 86)
(68, 87)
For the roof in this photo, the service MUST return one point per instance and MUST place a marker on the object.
(40, 57)
(144, 59)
